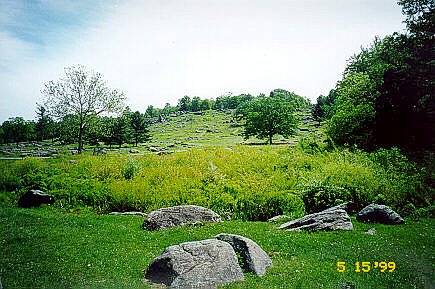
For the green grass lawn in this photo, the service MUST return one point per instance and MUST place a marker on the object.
(49, 248)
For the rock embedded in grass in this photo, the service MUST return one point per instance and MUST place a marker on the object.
(166, 218)
(254, 259)
(199, 264)
(278, 218)
(35, 198)
(374, 213)
(327, 220)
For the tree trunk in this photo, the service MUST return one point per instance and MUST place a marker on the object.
(270, 139)
(80, 148)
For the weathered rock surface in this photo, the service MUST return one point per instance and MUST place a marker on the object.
(253, 256)
(278, 218)
(179, 215)
(128, 213)
(379, 214)
(327, 220)
(347, 206)
(35, 198)
(200, 264)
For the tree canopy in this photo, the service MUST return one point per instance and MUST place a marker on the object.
(268, 116)
(83, 94)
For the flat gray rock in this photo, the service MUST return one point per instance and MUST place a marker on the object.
(327, 220)
(200, 264)
(379, 214)
(253, 256)
(179, 215)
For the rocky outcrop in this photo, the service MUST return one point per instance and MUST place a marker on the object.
(328, 220)
(35, 198)
(200, 264)
(179, 215)
(379, 214)
(254, 259)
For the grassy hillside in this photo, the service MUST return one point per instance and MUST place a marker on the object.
(203, 160)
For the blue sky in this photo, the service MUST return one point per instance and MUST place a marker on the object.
(156, 51)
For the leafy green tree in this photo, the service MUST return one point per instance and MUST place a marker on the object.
(44, 124)
(355, 112)
(324, 107)
(151, 111)
(81, 93)
(205, 105)
(17, 129)
(184, 103)
(268, 116)
(297, 101)
(139, 127)
(195, 104)
(67, 129)
(406, 107)
(121, 130)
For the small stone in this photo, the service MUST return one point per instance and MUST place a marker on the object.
(371, 231)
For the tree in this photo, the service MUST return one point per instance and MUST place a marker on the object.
(184, 103)
(150, 111)
(121, 130)
(267, 116)
(17, 129)
(324, 107)
(205, 105)
(195, 104)
(81, 93)
(139, 127)
(44, 123)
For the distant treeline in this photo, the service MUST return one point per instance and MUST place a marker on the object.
(129, 127)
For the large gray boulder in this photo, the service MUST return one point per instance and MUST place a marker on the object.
(379, 214)
(200, 264)
(35, 198)
(328, 220)
(179, 215)
(253, 256)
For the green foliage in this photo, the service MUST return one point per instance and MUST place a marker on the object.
(354, 115)
(139, 127)
(298, 102)
(397, 89)
(324, 107)
(130, 169)
(17, 129)
(268, 116)
(249, 183)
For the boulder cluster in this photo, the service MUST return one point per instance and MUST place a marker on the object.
(224, 258)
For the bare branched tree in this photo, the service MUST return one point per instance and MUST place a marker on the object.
(81, 93)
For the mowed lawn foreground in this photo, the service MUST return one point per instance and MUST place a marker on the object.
(48, 248)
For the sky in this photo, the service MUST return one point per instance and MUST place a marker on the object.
(157, 51)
